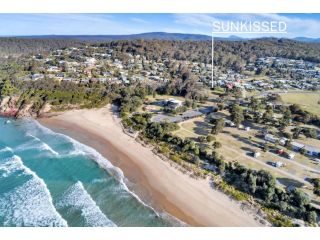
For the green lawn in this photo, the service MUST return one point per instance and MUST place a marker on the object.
(308, 100)
(162, 97)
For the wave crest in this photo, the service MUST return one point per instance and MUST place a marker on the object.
(76, 197)
(29, 204)
(36, 143)
(6, 149)
(82, 149)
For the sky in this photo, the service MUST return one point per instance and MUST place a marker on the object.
(298, 25)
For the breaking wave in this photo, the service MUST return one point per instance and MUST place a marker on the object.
(6, 149)
(82, 149)
(77, 198)
(36, 143)
(29, 204)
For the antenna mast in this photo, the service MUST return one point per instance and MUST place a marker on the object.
(212, 53)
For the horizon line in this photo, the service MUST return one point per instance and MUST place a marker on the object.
(198, 34)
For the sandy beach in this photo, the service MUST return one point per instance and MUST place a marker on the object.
(154, 180)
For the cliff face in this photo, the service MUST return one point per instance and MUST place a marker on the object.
(25, 111)
(45, 109)
(9, 108)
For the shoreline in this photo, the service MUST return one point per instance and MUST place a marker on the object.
(154, 180)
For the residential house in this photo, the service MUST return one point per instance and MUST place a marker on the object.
(173, 103)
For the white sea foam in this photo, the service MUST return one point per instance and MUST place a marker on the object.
(82, 149)
(10, 165)
(78, 198)
(173, 220)
(99, 180)
(46, 147)
(6, 149)
(29, 204)
(36, 143)
(104, 163)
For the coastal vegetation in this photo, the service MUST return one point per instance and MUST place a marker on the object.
(7, 89)
(259, 184)
(59, 95)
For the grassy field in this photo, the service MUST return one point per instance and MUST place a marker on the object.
(187, 128)
(308, 100)
(238, 144)
(162, 97)
(252, 93)
(257, 77)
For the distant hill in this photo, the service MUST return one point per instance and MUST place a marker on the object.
(305, 39)
(147, 36)
(151, 36)
(14, 46)
(304, 48)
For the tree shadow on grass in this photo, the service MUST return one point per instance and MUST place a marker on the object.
(249, 151)
(202, 128)
(251, 142)
(290, 182)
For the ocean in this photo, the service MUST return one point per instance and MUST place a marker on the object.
(50, 179)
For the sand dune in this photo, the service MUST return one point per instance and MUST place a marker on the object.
(193, 201)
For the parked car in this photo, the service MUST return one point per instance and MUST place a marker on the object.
(276, 164)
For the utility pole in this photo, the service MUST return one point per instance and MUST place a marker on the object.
(212, 53)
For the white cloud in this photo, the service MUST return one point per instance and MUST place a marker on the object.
(139, 20)
(296, 26)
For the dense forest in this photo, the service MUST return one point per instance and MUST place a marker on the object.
(226, 52)
(233, 54)
(17, 46)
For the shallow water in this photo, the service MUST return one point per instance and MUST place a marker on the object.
(49, 179)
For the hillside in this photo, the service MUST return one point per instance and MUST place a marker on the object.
(162, 45)
(18, 46)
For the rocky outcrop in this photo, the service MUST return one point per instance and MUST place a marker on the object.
(4, 102)
(25, 111)
(46, 108)
(8, 106)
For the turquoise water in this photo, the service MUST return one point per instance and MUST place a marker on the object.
(49, 179)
